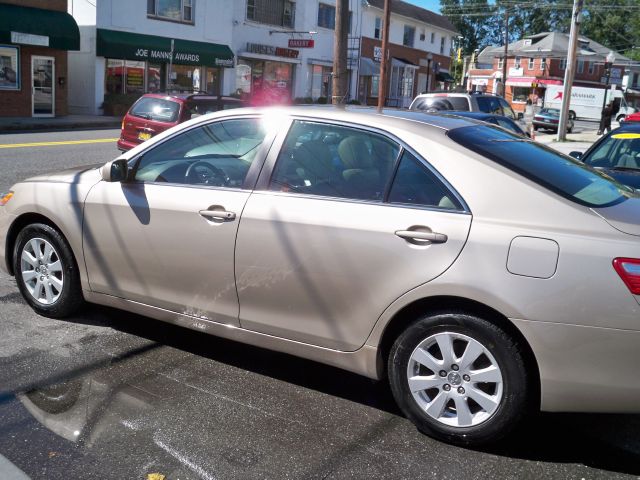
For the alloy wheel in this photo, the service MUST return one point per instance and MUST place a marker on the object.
(42, 271)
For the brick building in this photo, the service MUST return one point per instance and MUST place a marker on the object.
(35, 36)
(537, 61)
(420, 43)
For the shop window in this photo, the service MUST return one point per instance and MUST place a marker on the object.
(520, 94)
(134, 80)
(409, 35)
(580, 66)
(185, 77)
(377, 31)
(9, 68)
(563, 64)
(321, 76)
(154, 77)
(375, 85)
(177, 10)
(272, 12)
(115, 76)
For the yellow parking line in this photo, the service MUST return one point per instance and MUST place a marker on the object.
(53, 144)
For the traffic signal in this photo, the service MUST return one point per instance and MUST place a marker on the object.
(459, 57)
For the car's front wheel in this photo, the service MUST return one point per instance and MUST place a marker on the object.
(459, 378)
(46, 271)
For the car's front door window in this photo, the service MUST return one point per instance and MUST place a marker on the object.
(217, 154)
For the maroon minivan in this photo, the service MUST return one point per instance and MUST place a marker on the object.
(156, 112)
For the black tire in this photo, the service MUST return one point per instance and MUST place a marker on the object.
(569, 130)
(572, 115)
(70, 297)
(514, 404)
(620, 118)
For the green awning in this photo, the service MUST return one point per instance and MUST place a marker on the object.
(37, 26)
(135, 46)
(444, 77)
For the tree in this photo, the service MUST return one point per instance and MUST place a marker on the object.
(616, 28)
(474, 19)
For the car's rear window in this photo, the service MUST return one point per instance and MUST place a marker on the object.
(157, 109)
(559, 173)
(440, 103)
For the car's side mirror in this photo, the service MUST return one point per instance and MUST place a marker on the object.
(115, 171)
(576, 155)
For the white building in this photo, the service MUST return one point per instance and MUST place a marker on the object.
(267, 49)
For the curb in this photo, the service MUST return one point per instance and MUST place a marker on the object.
(16, 127)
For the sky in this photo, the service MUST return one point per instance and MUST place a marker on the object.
(433, 5)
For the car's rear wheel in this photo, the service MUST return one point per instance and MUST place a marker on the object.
(535, 127)
(572, 115)
(459, 378)
(46, 271)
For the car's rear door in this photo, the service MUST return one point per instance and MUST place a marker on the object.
(166, 238)
(327, 241)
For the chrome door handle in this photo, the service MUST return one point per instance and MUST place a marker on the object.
(422, 236)
(218, 214)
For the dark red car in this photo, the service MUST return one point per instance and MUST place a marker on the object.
(156, 112)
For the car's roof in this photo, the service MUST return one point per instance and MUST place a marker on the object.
(628, 127)
(369, 116)
(476, 115)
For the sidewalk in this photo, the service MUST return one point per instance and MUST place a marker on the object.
(579, 142)
(69, 122)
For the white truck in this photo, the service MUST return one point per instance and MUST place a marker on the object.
(586, 103)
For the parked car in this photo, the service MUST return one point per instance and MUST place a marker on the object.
(617, 154)
(156, 112)
(634, 117)
(548, 119)
(463, 102)
(401, 245)
(500, 120)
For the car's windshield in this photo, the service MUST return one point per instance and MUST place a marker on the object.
(559, 173)
(618, 151)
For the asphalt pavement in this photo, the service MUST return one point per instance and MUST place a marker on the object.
(112, 395)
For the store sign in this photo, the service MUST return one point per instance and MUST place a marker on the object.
(301, 43)
(271, 50)
(377, 54)
(516, 71)
(29, 39)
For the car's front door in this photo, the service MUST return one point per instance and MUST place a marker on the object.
(346, 223)
(166, 238)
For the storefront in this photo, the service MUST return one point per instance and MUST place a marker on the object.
(33, 59)
(265, 74)
(137, 63)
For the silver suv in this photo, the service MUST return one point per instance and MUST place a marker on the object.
(463, 102)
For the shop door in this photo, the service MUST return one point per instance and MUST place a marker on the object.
(43, 72)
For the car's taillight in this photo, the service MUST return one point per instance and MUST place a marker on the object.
(122, 126)
(629, 271)
(4, 198)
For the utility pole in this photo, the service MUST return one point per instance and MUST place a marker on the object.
(341, 37)
(506, 52)
(571, 68)
(383, 83)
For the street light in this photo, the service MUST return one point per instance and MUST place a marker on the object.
(607, 72)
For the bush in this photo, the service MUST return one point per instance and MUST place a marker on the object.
(321, 100)
(354, 102)
(302, 100)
